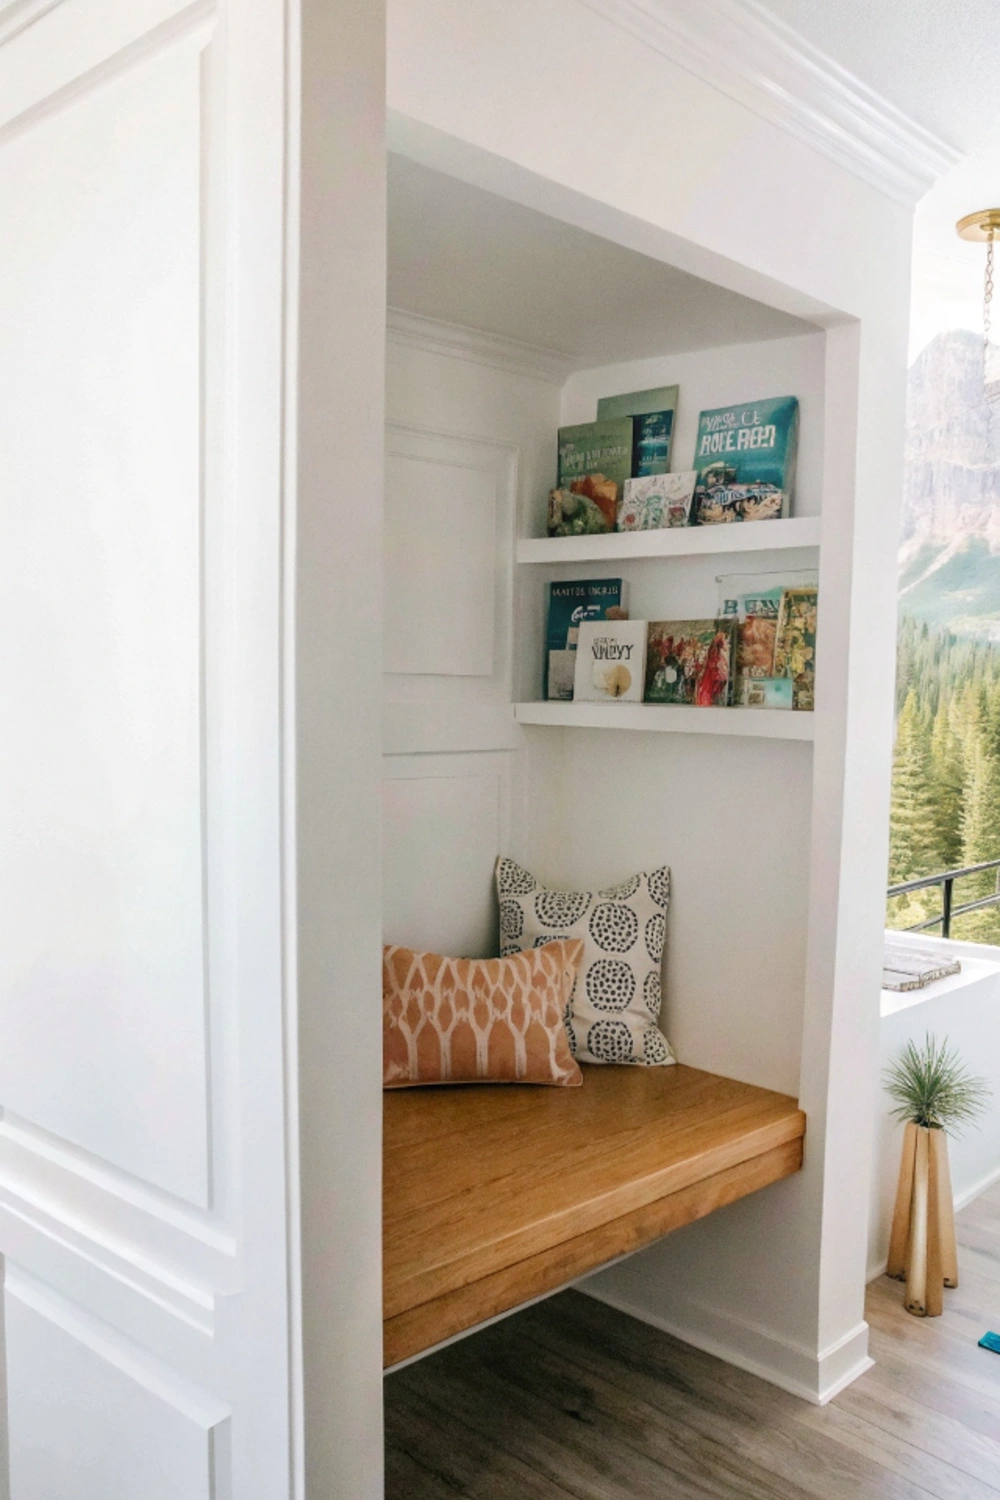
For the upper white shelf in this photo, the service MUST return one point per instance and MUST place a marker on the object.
(677, 541)
(676, 718)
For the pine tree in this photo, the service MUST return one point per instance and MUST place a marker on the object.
(948, 764)
(981, 817)
(946, 779)
(913, 826)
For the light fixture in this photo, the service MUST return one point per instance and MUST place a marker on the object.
(984, 226)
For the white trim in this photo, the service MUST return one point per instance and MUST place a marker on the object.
(747, 53)
(453, 339)
(17, 15)
(813, 1376)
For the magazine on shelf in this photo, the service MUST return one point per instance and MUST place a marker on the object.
(610, 661)
(795, 645)
(745, 459)
(653, 414)
(690, 661)
(570, 604)
(595, 459)
(754, 601)
(912, 968)
(657, 501)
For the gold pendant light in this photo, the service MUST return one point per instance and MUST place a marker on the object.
(984, 227)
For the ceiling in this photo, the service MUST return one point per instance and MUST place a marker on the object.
(939, 62)
(936, 60)
(455, 252)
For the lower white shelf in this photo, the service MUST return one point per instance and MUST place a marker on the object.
(672, 718)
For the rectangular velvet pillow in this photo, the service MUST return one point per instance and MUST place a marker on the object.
(478, 1020)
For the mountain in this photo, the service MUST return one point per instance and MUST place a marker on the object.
(950, 547)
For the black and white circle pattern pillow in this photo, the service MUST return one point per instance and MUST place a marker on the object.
(615, 1005)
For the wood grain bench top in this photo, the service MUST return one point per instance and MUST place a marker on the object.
(493, 1191)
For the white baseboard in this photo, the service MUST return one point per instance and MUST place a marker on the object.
(816, 1378)
(968, 1194)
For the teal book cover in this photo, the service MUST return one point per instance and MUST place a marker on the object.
(745, 461)
(570, 604)
(653, 413)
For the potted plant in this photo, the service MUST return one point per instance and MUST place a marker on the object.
(935, 1095)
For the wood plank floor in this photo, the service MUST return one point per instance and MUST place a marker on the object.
(570, 1399)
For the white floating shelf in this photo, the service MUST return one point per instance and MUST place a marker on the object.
(678, 541)
(675, 718)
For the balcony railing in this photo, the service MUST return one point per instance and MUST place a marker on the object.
(946, 880)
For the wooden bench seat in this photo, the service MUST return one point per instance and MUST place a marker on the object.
(496, 1194)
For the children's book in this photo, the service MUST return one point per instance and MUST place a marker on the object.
(653, 416)
(595, 459)
(690, 661)
(610, 661)
(569, 605)
(795, 646)
(745, 460)
(656, 501)
(754, 601)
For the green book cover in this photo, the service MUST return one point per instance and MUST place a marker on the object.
(745, 461)
(594, 448)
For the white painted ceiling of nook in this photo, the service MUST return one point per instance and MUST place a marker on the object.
(463, 255)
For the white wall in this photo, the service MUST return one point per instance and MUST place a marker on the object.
(965, 1010)
(471, 447)
(778, 1281)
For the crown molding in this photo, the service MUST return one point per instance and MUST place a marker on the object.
(453, 339)
(740, 48)
(17, 15)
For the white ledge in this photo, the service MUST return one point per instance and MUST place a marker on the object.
(673, 541)
(671, 718)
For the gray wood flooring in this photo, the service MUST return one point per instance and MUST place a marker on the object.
(570, 1399)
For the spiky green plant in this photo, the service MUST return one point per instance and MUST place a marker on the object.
(932, 1087)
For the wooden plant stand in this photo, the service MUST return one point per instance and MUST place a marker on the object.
(922, 1249)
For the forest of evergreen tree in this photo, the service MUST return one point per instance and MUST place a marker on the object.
(946, 775)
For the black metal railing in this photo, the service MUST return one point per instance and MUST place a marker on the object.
(946, 880)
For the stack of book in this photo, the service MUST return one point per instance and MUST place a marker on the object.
(614, 473)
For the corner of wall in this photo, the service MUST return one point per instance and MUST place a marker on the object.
(813, 1376)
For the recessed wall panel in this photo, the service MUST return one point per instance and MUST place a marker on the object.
(93, 1417)
(442, 831)
(102, 996)
(441, 558)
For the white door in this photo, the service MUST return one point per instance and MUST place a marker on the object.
(143, 1141)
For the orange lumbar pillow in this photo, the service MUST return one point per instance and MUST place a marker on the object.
(478, 1020)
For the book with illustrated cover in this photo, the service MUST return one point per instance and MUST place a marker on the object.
(690, 661)
(569, 605)
(795, 645)
(595, 459)
(656, 501)
(745, 459)
(754, 601)
(610, 661)
(653, 414)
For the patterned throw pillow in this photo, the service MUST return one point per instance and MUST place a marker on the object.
(477, 1020)
(615, 1004)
